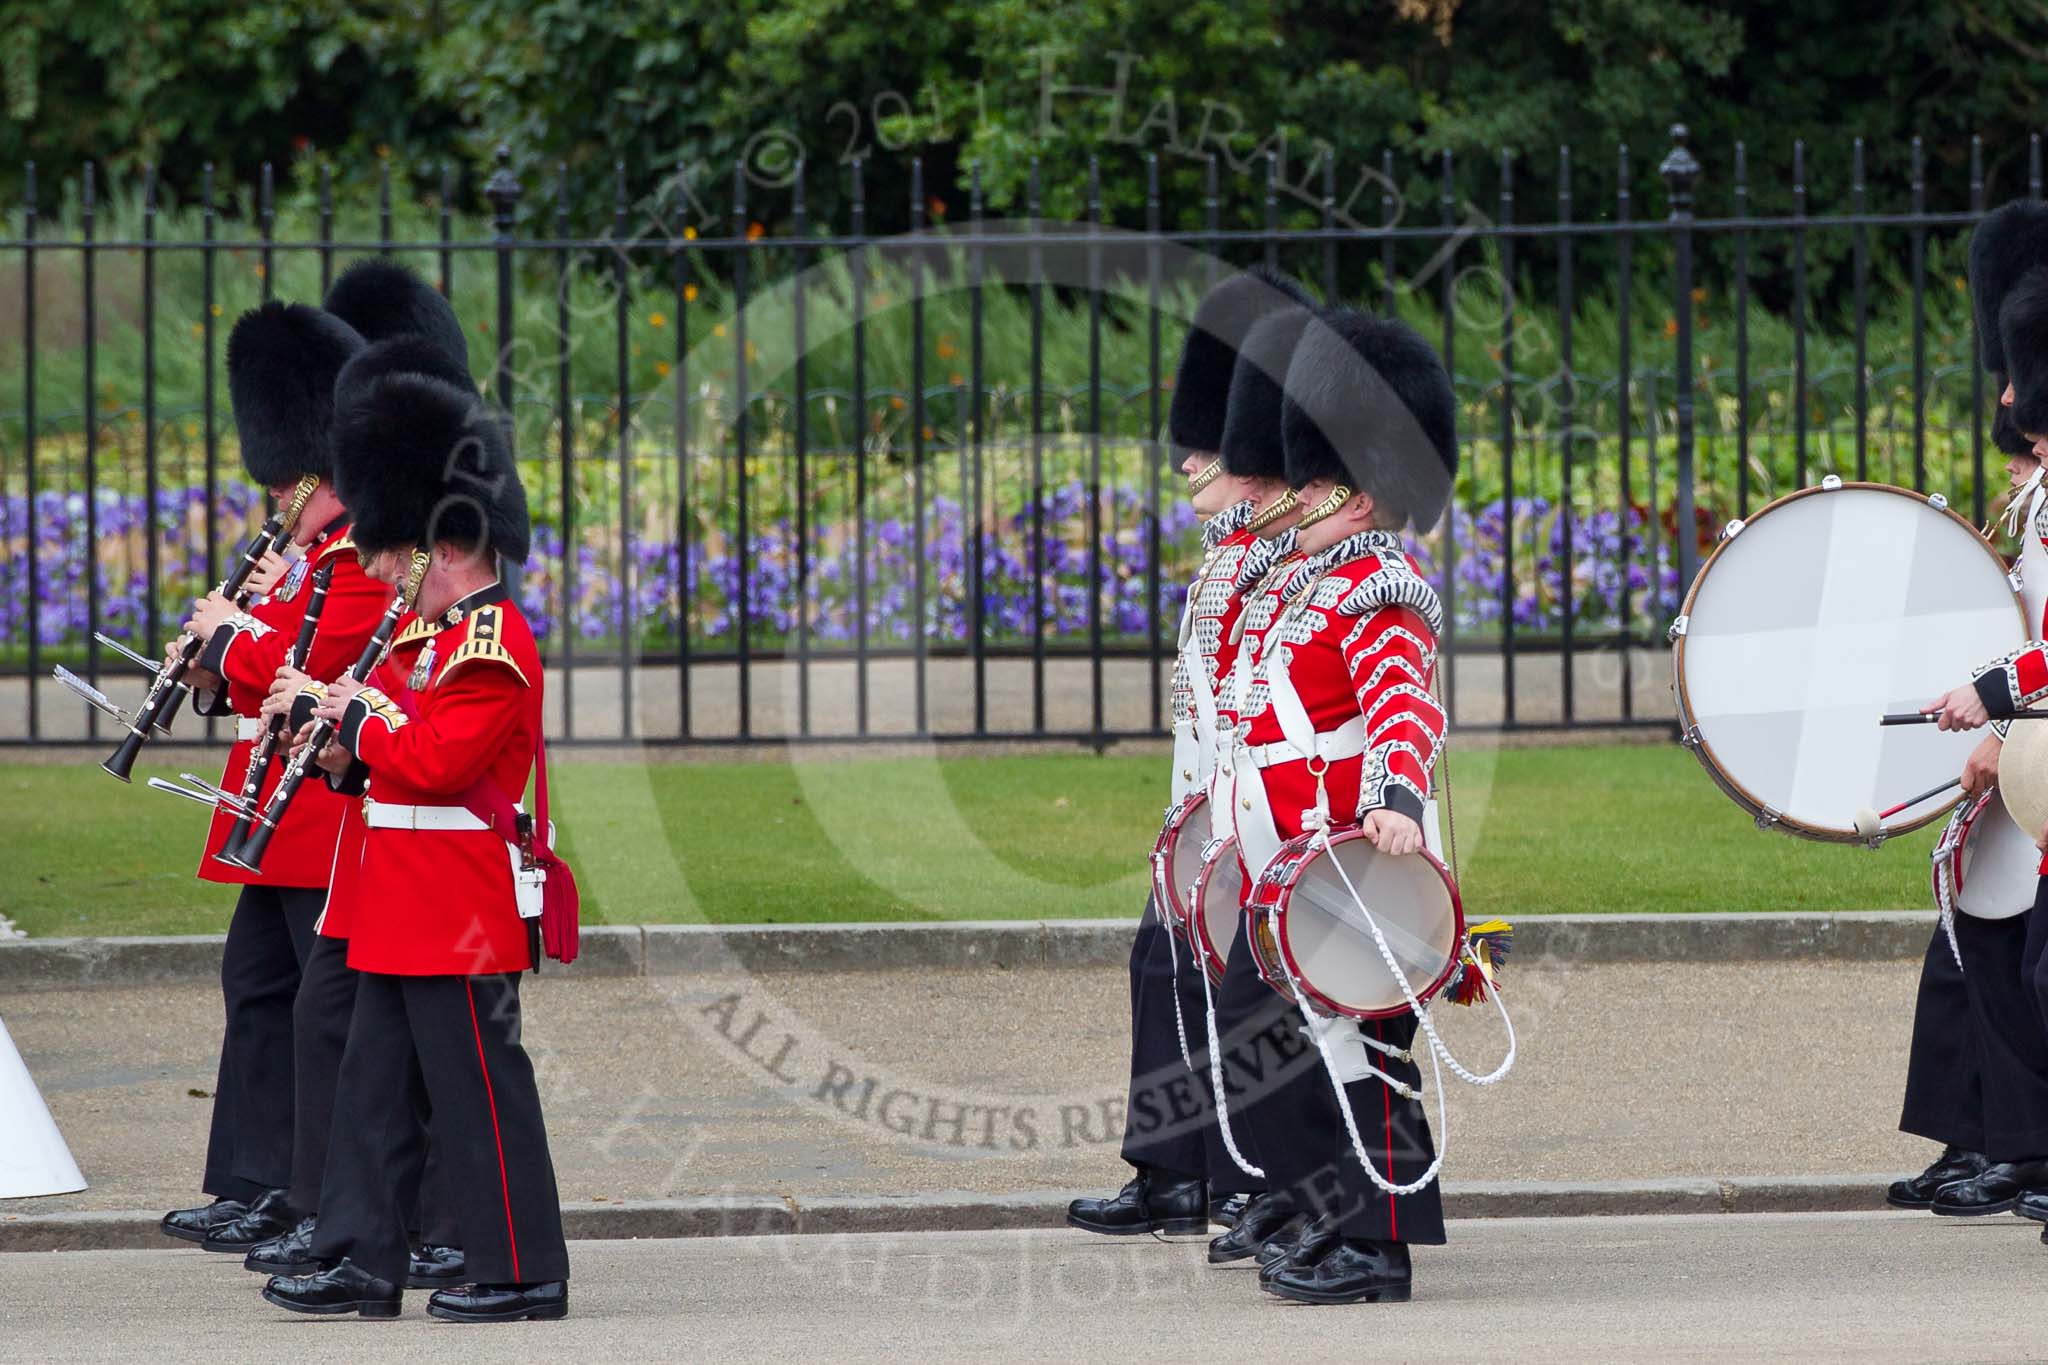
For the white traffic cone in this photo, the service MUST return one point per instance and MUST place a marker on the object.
(33, 1158)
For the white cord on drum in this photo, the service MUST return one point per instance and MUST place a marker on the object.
(1173, 954)
(1216, 1079)
(1443, 1123)
(1408, 993)
(1944, 891)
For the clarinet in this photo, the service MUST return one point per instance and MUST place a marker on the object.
(167, 693)
(266, 747)
(249, 855)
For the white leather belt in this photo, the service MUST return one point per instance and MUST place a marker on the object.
(389, 815)
(249, 728)
(1346, 741)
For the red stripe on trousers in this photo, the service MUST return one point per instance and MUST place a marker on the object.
(1387, 1099)
(504, 1181)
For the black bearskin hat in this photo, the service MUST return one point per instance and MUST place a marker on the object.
(2004, 434)
(406, 354)
(1208, 358)
(2023, 339)
(1252, 446)
(1369, 404)
(2005, 246)
(283, 359)
(381, 299)
(418, 460)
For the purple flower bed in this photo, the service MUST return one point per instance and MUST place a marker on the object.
(1608, 564)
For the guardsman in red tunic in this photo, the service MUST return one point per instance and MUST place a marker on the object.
(1169, 1121)
(282, 364)
(437, 935)
(411, 329)
(2009, 276)
(1347, 634)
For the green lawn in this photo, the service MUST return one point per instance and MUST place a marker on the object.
(1601, 829)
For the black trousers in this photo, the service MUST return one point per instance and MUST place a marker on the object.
(320, 1022)
(1169, 1114)
(1944, 1085)
(449, 1045)
(1283, 1112)
(249, 1146)
(2012, 1044)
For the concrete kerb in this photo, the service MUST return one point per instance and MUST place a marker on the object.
(947, 1211)
(673, 949)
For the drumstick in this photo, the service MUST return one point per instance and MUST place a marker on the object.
(1870, 823)
(1930, 717)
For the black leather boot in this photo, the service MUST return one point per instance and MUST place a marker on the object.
(1227, 1211)
(192, 1225)
(1265, 1217)
(1994, 1189)
(1304, 1248)
(272, 1215)
(435, 1267)
(344, 1289)
(501, 1302)
(1154, 1201)
(289, 1254)
(1952, 1165)
(2033, 1204)
(1354, 1271)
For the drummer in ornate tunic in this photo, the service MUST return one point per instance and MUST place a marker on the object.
(1169, 1119)
(1345, 632)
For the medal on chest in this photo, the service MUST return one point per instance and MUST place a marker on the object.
(423, 669)
(288, 587)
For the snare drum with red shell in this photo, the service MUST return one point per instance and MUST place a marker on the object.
(1307, 926)
(1983, 865)
(1177, 859)
(1216, 906)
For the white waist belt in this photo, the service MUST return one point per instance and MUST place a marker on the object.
(387, 815)
(1346, 741)
(251, 727)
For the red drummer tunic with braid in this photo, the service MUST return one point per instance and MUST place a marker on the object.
(1215, 599)
(246, 652)
(1355, 626)
(442, 902)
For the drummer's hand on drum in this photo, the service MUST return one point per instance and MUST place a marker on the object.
(1980, 773)
(1961, 709)
(1391, 831)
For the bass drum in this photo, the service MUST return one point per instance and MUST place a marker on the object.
(1824, 611)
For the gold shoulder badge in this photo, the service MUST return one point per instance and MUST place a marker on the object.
(483, 643)
(345, 542)
(416, 630)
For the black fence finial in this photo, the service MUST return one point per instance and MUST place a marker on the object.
(1680, 171)
(503, 190)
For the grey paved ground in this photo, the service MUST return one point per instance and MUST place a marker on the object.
(597, 700)
(1625, 1072)
(1822, 1287)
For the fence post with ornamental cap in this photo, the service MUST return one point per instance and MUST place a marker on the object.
(1681, 173)
(503, 192)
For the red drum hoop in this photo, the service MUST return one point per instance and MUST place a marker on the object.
(1305, 925)
(1177, 860)
(1216, 906)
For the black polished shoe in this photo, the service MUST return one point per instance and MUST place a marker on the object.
(1354, 1271)
(1303, 1248)
(192, 1225)
(288, 1254)
(272, 1215)
(1993, 1190)
(501, 1302)
(1265, 1218)
(2033, 1204)
(344, 1289)
(435, 1267)
(1227, 1211)
(1952, 1165)
(1153, 1201)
